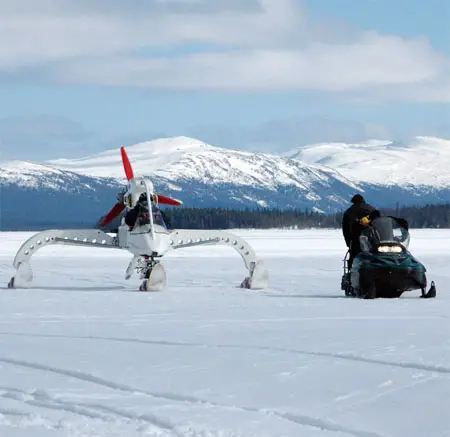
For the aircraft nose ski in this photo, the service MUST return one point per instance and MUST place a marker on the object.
(154, 278)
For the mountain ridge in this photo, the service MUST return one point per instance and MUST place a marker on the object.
(202, 175)
(425, 161)
(181, 161)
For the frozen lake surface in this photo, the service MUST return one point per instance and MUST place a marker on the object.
(83, 354)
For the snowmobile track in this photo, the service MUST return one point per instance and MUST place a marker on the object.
(342, 356)
(86, 377)
(41, 399)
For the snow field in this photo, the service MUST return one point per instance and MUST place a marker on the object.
(82, 354)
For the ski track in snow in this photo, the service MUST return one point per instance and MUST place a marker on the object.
(43, 401)
(349, 357)
(205, 359)
(90, 410)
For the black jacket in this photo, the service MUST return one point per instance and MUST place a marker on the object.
(351, 228)
(139, 210)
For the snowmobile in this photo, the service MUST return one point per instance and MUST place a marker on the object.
(385, 268)
(148, 239)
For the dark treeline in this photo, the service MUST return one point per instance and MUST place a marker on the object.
(218, 218)
(428, 216)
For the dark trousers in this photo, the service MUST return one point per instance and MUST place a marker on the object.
(354, 250)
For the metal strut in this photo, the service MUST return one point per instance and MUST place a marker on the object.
(69, 237)
(258, 274)
(183, 238)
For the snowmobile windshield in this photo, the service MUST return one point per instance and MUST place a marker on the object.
(385, 230)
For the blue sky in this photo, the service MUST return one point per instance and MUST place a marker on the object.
(79, 76)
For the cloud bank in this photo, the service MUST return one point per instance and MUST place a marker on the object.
(213, 45)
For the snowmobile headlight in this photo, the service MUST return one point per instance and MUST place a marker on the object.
(390, 249)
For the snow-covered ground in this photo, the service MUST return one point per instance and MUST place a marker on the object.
(83, 355)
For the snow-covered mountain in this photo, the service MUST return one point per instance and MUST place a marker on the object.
(184, 158)
(147, 158)
(211, 175)
(424, 161)
(321, 177)
(81, 190)
(34, 195)
(37, 176)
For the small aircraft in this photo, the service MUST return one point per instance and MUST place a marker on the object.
(148, 239)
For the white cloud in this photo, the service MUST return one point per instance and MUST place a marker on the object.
(270, 45)
(373, 60)
(64, 29)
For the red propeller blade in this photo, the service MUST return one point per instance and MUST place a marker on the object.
(126, 164)
(115, 211)
(168, 200)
